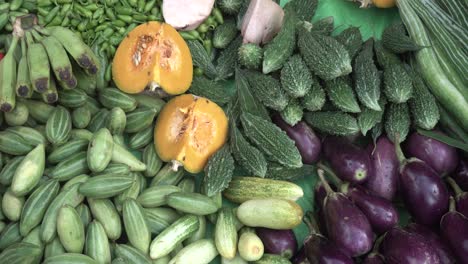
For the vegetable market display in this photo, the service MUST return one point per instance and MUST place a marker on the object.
(122, 140)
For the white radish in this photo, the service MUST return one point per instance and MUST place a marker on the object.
(262, 21)
(186, 14)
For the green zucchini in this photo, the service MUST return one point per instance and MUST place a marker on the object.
(315, 98)
(218, 171)
(247, 100)
(248, 156)
(242, 189)
(423, 106)
(201, 58)
(213, 90)
(398, 86)
(351, 38)
(268, 90)
(342, 96)
(333, 123)
(324, 55)
(225, 33)
(271, 140)
(293, 112)
(296, 78)
(278, 51)
(395, 39)
(397, 122)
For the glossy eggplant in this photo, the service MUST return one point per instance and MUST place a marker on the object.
(307, 142)
(402, 247)
(380, 212)
(454, 229)
(278, 242)
(320, 193)
(440, 156)
(350, 162)
(424, 192)
(461, 174)
(320, 250)
(461, 197)
(347, 226)
(443, 251)
(384, 181)
(374, 258)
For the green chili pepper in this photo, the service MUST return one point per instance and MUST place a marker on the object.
(203, 28)
(126, 19)
(110, 14)
(51, 15)
(149, 6)
(140, 17)
(42, 11)
(119, 23)
(154, 18)
(121, 31)
(155, 11)
(98, 13)
(75, 22)
(133, 3)
(218, 15)
(107, 32)
(92, 7)
(82, 26)
(115, 40)
(208, 44)
(122, 10)
(209, 21)
(83, 11)
(65, 22)
(65, 8)
(108, 75)
(141, 5)
(43, 3)
(197, 71)
(129, 28)
(101, 27)
(64, 1)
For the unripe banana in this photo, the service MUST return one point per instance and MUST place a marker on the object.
(39, 68)
(8, 78)
(60, 62)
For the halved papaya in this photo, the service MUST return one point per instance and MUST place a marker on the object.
(155, 55)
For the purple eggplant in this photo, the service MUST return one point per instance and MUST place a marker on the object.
(440, 156)
(320, 250)
(350, 162)
(307, 142)
(347, 226)
(380, 212)
(320, 193)
(300, 257)
(384, 181)
(461, 175)
(443, 251)
(454, 229)
(374, 258)
(461, 197)
(424, 192)
(278, 242)
(402, 247)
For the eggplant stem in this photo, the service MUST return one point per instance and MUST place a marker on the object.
(324, 181)
(454, 186)
(331, 173)
(377, 243)
(452, 205)
(311, 223)
(401, 157)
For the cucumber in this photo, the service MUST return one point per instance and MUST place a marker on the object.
(225, 33)
(282, 46)
(213, 90)
(204, 251)
(270, 213)
(225, 235)
(141, 138)
(104, 211)
(20, 253)
(98, 120)
(296, 78)
(81, 117)
(58, 126)
(167, 176)
(36, 205)
(351, 38)
(248, 156)
(218, 171)
(113, 97)
(268, 90)
(71, 197)
(100, 150)
(250, 55)
(248, 102)
(116, 121)
(97, 243)
(271, 140)
(200, 233)
(29, 172)
(324, 55)
(137, 230)
(9, 235)
(70, 258)
(201, 58)
(70, 229)
(105, 186)
(72, 98)
(64, 151)
(139, 119)
(272, 259)
(315, 98)
(398, 86)
(251, 247)
(131, 254)
(156, 195)
(70, 167)
(395, 39)
(424, 111)
(31, 135)
(12, 206)
(236, 260)
(367, 78)
(242, 189)
(152, 161)
(342, 96)
(225, 64)
(332, 122)
(53, 248)
(176, 233)
(131, 193)
(397, 122)
(191, 203)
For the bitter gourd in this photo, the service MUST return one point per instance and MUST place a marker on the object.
(341, 94)
(213, 90)
(315, 98)
(293, 112)
(250, 55)
(268, 90)
(397, 122)
(395, 39)
(367, 78)
(248, 156)
(332, 122)
(398, 85)
(351, 38)
(423, 105)
(296, 78)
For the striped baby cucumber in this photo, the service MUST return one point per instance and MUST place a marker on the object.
(192, 203)
(105, 186)
(84, 213)
(139, 119)
(156, 195)
(250, 246)
(12, 206)
(141, 138)
(137, 230)
(70, 167)
(167, 176)
(116, 121)
(176, 233)
(100, 150)
(34, 237)
(77, 179)
(200, 233)
(29, 171)
(72, 98)
(81, 117)
(152, 161)
(271, 213)
(97, 244)
(10, 235)
(98, 120)
(13, 144)
(70, 258)
(58, 126)
(131, 193)
(20, 253)
(8, 171)
(70, 229)
(53, 248)
(121, 155)
(113, 97)
(30, 135)
(104, 211)
(225, 236)
(187, 184)
(131, 254)
(81, 134)
(204, 251)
